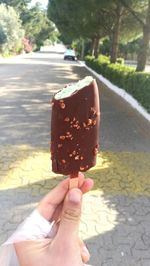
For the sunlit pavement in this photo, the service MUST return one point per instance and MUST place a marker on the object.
(116, 213)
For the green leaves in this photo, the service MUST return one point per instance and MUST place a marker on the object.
(11, 32)
(3, 36)
(18, 19)
(37, 26)
(76, 19)
(136, 84)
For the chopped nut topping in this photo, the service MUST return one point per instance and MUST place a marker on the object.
(82, 168)
(84, 124)
(94, 122)
(69, 137)
(60, 145)
(81, 158)
(63, 161)
(77, 157)
(75, 126)
(93, 110)
(67, 119)
(62, 106)
(74, 152)
(95, 151)
(89, 122)
(70, 155)
(62, 137)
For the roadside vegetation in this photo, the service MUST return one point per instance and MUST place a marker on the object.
(135, 83)
(11, 31)
(24, 27)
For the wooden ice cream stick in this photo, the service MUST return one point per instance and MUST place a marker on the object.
(74, 180)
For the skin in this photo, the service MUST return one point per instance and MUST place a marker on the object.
(65, 248)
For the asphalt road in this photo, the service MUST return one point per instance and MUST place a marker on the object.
(27, 84)
(116, 213)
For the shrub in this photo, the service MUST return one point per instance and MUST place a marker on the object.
(11, 32)
(120, 61)
(135, 83)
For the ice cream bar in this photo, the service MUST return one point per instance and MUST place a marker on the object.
(74, 127)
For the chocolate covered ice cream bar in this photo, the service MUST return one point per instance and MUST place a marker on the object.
(74, 127)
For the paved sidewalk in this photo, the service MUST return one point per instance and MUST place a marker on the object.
(116, 213)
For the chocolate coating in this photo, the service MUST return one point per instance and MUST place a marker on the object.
(74, 131)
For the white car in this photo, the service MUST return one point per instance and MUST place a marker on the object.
(70, 54)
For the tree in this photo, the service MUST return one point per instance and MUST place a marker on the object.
(17, 4)
(115, 21)
(100, 18)
(144, 20)
(11, 31)
(74, 21)
(3, 36)
(37, 26)
(118, 17)
(130, 49)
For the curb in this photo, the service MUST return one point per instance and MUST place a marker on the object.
(121, 92)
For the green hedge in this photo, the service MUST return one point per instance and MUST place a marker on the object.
(135, 83)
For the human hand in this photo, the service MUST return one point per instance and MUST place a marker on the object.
(64, 249)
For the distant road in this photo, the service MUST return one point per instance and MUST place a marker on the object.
(133, 64)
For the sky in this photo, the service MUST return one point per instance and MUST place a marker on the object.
(43, 2)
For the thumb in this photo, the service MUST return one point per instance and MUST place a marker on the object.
(71, 212)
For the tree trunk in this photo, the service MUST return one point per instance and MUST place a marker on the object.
(115, 43)
(115, 34)
(96, 50)
(143, 51)
(93, 46)
(82, 48)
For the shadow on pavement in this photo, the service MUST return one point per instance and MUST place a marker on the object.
(116, 215)
(25, 103)
(26, 91)
(25, 106)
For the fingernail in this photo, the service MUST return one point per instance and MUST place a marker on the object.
(75, 195)
(85, 251)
